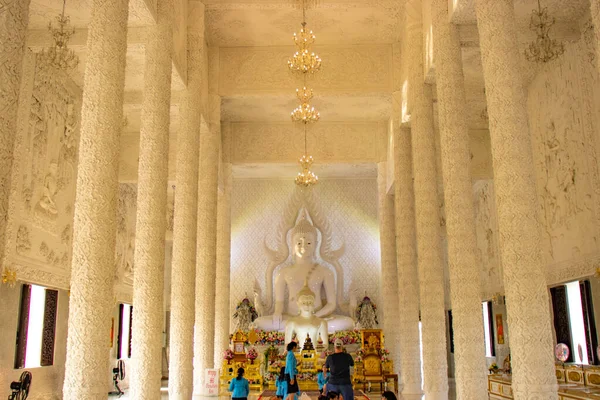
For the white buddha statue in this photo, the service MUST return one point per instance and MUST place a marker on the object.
(293, 277)
(306, 324)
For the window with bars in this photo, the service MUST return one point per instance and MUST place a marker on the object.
(37, 327)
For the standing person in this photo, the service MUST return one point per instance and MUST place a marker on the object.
(281, 384)
(322, 378)
(239, 386)
(339, 364)
(291, 372)
(387, 395)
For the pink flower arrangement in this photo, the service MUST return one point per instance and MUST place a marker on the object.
(252, 354)
(228, 355)
(273, 338)
(347, 337)
(359, 355)
(384, 354)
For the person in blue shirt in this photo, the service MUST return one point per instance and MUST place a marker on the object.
(239, 386)
(292, 389)
(281, 384)
(322, 378)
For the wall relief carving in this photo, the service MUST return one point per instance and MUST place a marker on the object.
(45, 170)
(487, 238)
(562, 126)
(125, 244)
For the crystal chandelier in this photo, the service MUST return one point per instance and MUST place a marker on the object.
(59, 55)
(305, 62)
(306, 178)
(543, 49)
(305, 112)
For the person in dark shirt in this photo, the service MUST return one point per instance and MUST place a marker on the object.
(339, 364)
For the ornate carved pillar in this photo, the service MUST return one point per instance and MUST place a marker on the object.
(406, 257)
(389, 274)
(14, 18)
(222, 310)
(149, 257)
(465, 279)
(595, 10)
(183, 269)
(431, 277)
(517, 206)
(204, 329)
(94, 224)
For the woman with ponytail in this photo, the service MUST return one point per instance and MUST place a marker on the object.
(239, 386)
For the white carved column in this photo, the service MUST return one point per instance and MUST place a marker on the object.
(389, 274)
(204, 329)
(465, 278)
(406, 257)
(94, 225)
(183, 269)
(14, 18)
(595, 10)
(517, 206)
(431, 277)
(516, 203)
(149, 257)
(222, 311)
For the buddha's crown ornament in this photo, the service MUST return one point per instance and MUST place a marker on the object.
(304, 227)
(305, 291)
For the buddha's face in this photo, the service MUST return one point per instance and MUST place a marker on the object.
(306, 303)
(304, 245)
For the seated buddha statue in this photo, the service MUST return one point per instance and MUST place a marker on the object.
(306, 324)
(293, 277)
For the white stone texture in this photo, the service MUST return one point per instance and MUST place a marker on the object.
(94, 223)
(464, 265)
(204, 329)
(427, 214)
(183, 270)
(14, 18)
(517, 207)
(406, 256)
(563, 102)
(389, 274)
(222, 314)
(595, 11)
(149, 257)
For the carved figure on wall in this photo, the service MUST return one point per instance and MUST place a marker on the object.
(125, 243)
(560, 189)
(47, 202)
(23, 240)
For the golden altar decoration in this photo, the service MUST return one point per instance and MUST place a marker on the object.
(372, 365)
(240, 360)
(575, 382)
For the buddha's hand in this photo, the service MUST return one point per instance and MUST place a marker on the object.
(277, 319)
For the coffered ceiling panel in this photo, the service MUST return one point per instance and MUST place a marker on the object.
(562, 10)
(272, 24)
(332, 108)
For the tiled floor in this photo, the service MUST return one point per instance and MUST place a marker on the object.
(254, 396)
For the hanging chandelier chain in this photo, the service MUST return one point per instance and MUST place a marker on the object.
(543, 49)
